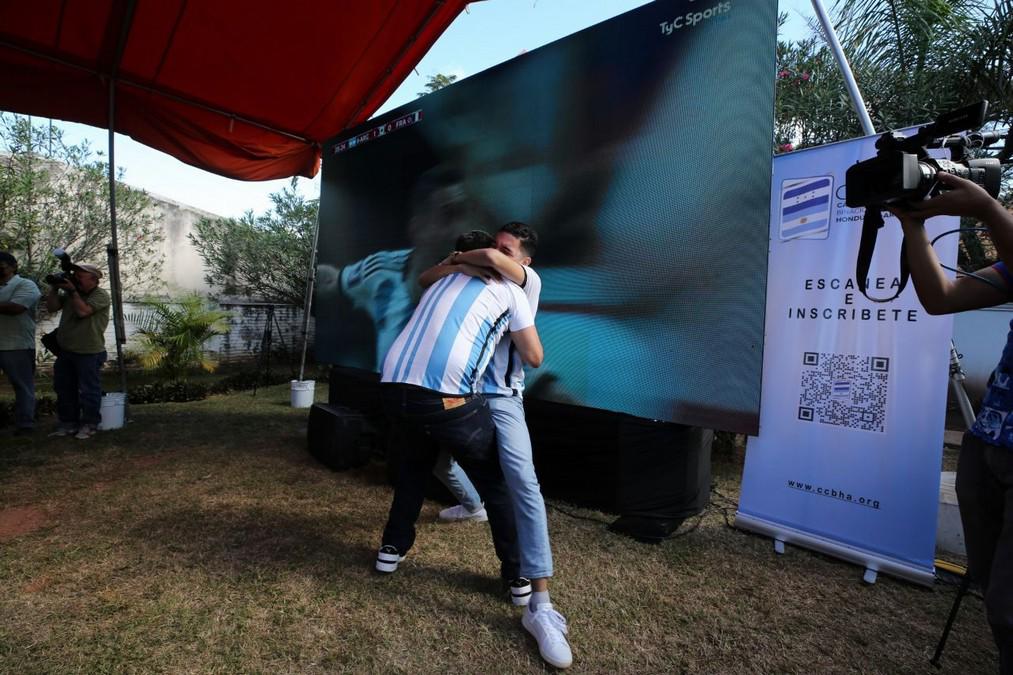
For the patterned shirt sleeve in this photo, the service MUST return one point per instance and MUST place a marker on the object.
(1000, 267)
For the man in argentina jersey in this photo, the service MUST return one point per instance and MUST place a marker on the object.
(503, 385)
(429, 387)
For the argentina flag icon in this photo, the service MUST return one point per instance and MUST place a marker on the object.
(805, 208)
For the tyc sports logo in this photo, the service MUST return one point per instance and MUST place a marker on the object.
(691, 19)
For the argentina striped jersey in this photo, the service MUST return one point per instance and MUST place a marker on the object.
(453, 332)
(505, 374)
(376, 284)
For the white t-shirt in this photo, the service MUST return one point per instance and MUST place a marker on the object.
(505, 374)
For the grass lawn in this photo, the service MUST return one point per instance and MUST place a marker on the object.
(203, 538)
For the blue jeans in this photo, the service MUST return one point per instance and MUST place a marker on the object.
(19, 365)
(78, 388)
(985, 497)
(453, 477)
(518, 466)
(467, 432)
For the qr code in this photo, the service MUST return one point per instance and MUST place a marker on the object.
(844, 390)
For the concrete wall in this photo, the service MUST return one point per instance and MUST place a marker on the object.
(241, 343)
(182, 267)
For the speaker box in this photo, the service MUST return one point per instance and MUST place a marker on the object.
(653, 474)
(340, 438)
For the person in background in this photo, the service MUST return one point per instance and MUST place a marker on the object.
(19, 298)
(84, 308)
(985, 468)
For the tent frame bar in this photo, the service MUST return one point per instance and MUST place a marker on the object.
(158, 92)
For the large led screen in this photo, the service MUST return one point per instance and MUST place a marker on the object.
(639, 149)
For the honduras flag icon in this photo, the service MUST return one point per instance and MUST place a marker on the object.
(805, 208)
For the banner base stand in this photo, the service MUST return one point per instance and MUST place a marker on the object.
(872, 562)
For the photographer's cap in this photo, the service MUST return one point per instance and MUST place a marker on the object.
(91, 269)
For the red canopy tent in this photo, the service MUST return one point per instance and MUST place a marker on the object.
(245, 89)
(248, 89)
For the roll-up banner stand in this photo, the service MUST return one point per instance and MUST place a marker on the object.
(847, 461)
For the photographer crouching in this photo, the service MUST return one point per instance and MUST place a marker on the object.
(81, 348)
(985, 468)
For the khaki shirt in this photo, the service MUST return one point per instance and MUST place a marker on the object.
(17, 331)
(84, 335)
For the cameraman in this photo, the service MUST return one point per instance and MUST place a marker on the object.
(18, 299)
(81, 336)
(985, 469)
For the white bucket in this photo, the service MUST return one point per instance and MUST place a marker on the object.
(302, 393)
(113, 406)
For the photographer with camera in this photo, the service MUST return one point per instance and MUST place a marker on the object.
(18, 300)
(81, 338)
(985, 469)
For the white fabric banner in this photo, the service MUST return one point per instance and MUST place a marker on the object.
(854, 392)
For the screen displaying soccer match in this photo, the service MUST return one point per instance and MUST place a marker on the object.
(640, 151)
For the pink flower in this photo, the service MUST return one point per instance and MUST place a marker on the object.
(786, 147)
(805, 77)
(783, 74)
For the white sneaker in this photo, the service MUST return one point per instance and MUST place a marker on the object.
(549, 628)
(86, 431)
(459, 513)
(387, 559)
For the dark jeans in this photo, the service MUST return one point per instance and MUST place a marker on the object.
(19, 365)
(985, 494)
(467, 432)
(78, 388)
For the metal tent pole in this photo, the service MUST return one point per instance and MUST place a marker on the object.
(311, 275)
(113, 249)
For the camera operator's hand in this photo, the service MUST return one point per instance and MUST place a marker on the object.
(963, 198)
(67, 285)
(908, 219)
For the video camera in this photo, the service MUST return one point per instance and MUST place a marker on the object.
(66, 265)
(902, 169)
(902, 172)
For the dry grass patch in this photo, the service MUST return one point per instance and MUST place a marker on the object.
(202, 538)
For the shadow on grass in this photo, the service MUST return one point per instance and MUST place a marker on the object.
(265, 544)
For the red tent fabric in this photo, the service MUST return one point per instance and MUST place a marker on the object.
(245, 88)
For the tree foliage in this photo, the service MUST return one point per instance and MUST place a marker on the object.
(53, 194)
(437, 82)
(912, 60)
(264, 256)
(173, 335)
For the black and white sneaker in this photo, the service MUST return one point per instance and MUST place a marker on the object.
(387, 559)
(520, 591)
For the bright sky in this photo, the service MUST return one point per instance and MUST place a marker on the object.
(488, 33)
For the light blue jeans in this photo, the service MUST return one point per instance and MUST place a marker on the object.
(519, 470)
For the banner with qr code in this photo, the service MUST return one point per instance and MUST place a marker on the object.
(853, 398)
